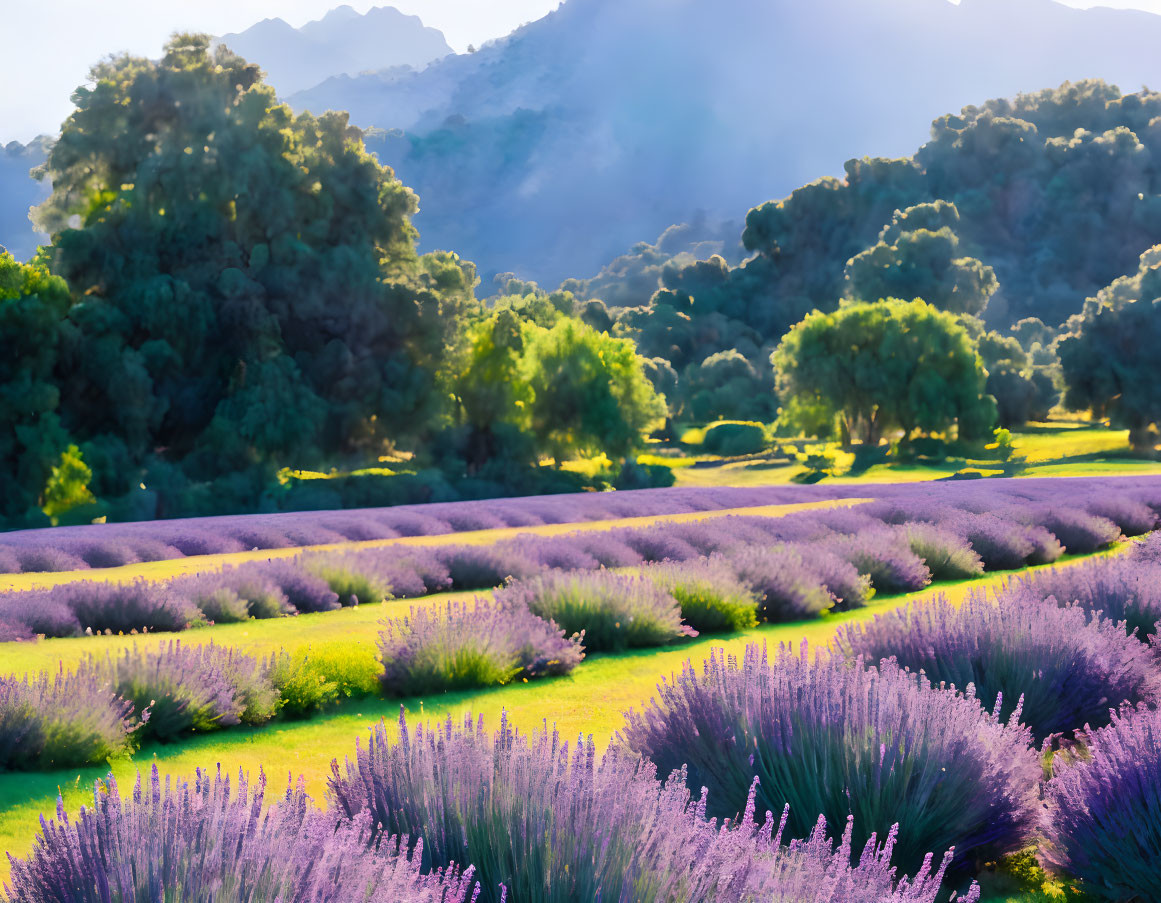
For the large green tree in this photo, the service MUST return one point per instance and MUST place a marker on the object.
(1110, 355)
(246, 287)
(887, 365)
(33, 304)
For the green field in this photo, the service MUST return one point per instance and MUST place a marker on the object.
(590, 701)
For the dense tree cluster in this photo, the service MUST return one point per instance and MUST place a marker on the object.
(232, 289)
(1013, 210)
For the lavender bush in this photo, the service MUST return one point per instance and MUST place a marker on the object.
(482, 567)
(710, 596)
(1055, 669)
(1122, 589)
(1078, 531)
(611, 611)
(61, 721)
(311, 679)
(234, 594)
(1103, 820)
(824, 736)
(463, 646)
(189, 688)
(1132, 517)
(946, 555)
(210, 840)
(884, 557)
(304, 591)
(788, 588)
(553, 824)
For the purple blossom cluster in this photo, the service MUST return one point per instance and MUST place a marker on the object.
(210, 839)
(1103, 818)
(545, 823)
(824, 736)
(471, 645)
(1055, 669)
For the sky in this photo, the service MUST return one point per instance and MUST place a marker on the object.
(47, 46)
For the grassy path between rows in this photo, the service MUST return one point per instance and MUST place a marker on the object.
(193, 564)
(592, 700)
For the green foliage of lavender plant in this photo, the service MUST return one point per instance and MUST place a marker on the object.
(613, 612)
(711, 598)
(826, 737)
(947, 556)
(313, 678)
(1055, 669)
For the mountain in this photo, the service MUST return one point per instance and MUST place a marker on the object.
(20, 192)
(341, 42)
(548, 152)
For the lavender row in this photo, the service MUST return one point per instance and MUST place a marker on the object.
(538, 821)
(108, 545)
(825, 558)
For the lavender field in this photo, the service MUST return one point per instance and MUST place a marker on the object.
(963, 634)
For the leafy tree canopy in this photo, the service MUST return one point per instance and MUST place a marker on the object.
(886, 365)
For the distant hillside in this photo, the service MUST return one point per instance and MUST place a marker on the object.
(596, 127)
(20, 192)
(342, 42)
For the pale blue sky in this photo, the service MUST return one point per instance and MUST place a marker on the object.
(47, 46)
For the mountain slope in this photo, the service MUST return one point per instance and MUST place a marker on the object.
(549, 151)
(19, 192)
(342, 42)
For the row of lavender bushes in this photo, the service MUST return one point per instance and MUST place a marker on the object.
(825, 559)
(538, 821)
(947, 764)
(112, 545)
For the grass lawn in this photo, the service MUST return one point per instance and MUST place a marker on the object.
(591, 701)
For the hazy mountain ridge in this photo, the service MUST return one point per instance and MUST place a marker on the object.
(20, 192)
(550, 151)
(343, 42)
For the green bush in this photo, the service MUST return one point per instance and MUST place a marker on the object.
(313, 678)
(352, 587)
(711, 597)
(729, 438)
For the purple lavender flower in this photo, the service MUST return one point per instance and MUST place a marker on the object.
(61, 721)
(825, 736)
(125, 607)
(608, 550)
(304, 591)
(1078, 531)
(788, 588)
(482, 567)
(1055, 669)
(48, 558)
(464, 646)
(212, 840)
(883, 556)
(611, 611)
(947, 556)
(1132, 517)
(1103, 819)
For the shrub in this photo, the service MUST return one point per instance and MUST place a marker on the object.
(461, 646)
(1131, 516)
(885, 558)
(310, 679)
(108, 555)
(553, 824)
(711, 597)
(127, 607)
(352, 584)
(48, 558)
(1057, 667)
(556, 552)
(947, 556)
(657, 543)
(39, 612)
(613, 612)
(305, 592)
(1103, 821)
(190, 688)
(788, 588)
(482, 567)
(1078, 531)
(1123, 590)
(61, 721)
(827, 737)
(607, 549)
(210, 840)
(1001, 544)
(730, 439)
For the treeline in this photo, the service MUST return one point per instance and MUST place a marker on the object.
(1014, 212)
(232, 289)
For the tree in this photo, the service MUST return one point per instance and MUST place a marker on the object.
(1112, 368)
(246, 287)
(68, 485)
(589, 391)
(917, 256)
(33, 305)
(886, 365)
(1022, 391)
